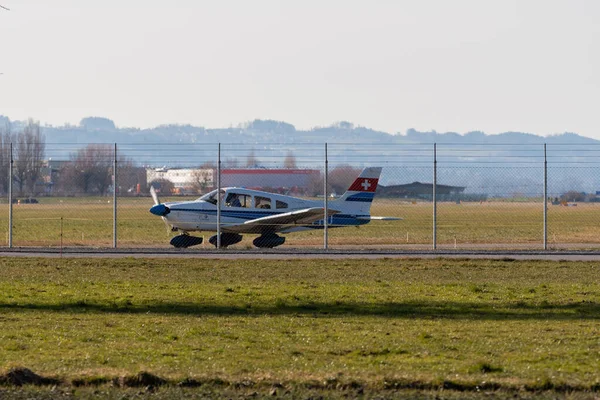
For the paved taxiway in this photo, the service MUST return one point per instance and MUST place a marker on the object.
(296, 254)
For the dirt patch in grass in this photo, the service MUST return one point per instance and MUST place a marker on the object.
(329, 387)
(141, 379)
(25, 376)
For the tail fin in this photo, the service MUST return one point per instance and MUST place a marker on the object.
(360, 194)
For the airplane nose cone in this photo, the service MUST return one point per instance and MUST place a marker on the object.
(160, 209)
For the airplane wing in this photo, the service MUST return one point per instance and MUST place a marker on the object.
(373, 218)
(278, 222)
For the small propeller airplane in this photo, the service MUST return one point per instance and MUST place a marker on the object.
(266, 214)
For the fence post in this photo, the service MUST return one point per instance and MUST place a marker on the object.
(545, 199)
(10, 198)
(115, 186)
(434, 196)
(219, 197)
(326, 205)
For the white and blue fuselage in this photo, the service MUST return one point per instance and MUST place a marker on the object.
(235, 211)
(201, 214)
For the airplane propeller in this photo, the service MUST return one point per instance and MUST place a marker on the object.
(154, 195)
(159, 209)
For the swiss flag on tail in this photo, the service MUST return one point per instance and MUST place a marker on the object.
(364, 185)
(359, 196)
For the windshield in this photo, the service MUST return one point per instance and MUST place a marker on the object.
(211, 197)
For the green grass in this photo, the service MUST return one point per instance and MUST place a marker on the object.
(88, 222)
(378, 325)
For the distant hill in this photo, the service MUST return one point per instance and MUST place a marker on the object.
(511, 162)
(104, 130)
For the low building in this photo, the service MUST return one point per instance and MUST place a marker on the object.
(184, 180)
(418, 190)
(188, 180)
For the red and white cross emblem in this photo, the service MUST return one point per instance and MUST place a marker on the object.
(364, 185)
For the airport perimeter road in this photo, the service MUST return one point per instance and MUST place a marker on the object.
(296, 254)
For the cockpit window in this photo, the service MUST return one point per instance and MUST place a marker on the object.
(281, 204)
(262, 202)
(238, 200)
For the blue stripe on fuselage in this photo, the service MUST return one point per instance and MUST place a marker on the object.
(366, 197)
(249, 215)
(337, 219)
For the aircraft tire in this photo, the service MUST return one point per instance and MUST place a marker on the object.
(227, 239)
(268, 241)
(185, 241)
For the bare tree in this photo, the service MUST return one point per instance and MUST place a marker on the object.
(290, 161)
(28, 156)
(91, 168)
(130, 178)
(341, 177)
(339, 180)
(314, 187)
(21, 160)
(38, 149)
(573, 195)
(202, 178)
(208, 165)
(163, 186)
(231, 163)
(251, 161)
(6, 138)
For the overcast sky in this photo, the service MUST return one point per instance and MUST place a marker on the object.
(462, 65)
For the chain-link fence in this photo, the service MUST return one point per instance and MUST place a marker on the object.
(444, 196)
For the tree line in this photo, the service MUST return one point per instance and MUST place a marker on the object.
(89, 170)
(28, 150)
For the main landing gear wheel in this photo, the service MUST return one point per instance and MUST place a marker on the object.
(268, 241)
(184, 241)
(227, 239)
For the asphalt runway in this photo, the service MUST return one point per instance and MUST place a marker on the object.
(294, 254)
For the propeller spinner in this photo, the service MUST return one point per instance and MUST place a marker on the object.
(158, 208)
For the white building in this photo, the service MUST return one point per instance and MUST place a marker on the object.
(184, 180)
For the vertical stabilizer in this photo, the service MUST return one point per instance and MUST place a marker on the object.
(360, 194)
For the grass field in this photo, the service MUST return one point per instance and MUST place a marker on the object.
(88, 222)
(303, 328)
